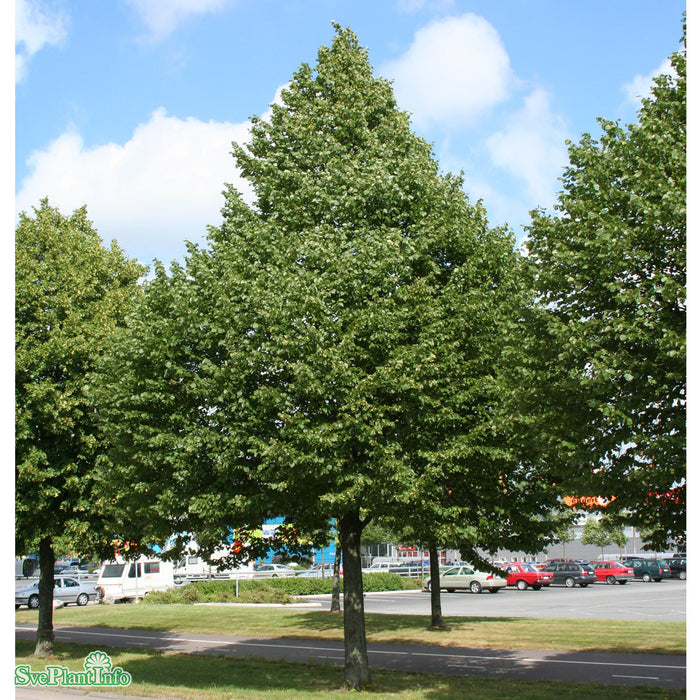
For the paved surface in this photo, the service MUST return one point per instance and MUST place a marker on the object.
(579, 667)
(636, 600)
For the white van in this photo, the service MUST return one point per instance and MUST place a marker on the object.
(130, 580)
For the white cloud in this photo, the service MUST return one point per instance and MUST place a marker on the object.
(455, 70)
(640, 86)
(163, 16)
(532, 148)
(159, 188)
(37, 25)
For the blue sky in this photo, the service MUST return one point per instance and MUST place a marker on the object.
(130, 106)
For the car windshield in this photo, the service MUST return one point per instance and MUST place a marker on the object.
(113, 571)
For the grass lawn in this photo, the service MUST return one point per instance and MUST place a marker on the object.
(514, 633)
(215, 678)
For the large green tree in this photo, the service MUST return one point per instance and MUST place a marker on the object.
(607, 344)
(70, 293)
(330, 337)
(474, 486)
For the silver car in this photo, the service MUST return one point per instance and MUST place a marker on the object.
(317, 572)
(273, 571)
(67, 589)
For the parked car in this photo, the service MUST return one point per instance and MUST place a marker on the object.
(316, 571)
(380, 567)
(522, 574)
(648, 569)
(469, 578)
(66, 589)
(677, 566)
(571, 573)
(613, 572)
(272, 571)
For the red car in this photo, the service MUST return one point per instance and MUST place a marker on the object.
(522, 575)
(612, 572)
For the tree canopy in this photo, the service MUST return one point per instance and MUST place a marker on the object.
(70, 294)
(332, 336)
(607, 351)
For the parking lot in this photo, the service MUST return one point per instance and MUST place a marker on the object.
(637, 600)
(663, 601)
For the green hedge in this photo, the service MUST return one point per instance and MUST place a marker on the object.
(272, 590)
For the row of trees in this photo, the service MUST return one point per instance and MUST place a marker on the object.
(359, 346)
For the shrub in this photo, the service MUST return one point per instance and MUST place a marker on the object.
(272, 590)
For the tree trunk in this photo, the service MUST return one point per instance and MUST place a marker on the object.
(44, 632)
(356, 660)
(335, 597)
(435, 604)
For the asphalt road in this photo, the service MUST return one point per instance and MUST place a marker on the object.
(636, 600)
(579, 667)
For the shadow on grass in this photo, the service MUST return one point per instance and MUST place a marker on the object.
(375, 622)
(204, 677)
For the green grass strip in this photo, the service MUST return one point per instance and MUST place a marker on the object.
(649, 637)
(199, 677)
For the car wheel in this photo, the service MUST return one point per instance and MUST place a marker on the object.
(475, 587)
(82, 599)
(646, 578)
(681, 576)
(426, 586)
(610, 580)
(535, 587)
(569, 582)
(521, 585)
(274, 575)
(33, 602)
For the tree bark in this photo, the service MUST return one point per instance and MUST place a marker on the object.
(44, 632)
(356, 659)
(335, 597)
(435, 604)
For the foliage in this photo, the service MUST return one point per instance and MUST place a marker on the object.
(376, 533)
(70, 293)
(280, 590)
(595, 533)
(196, 593)
(473, 485)
(607, 346)
(333, 336)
